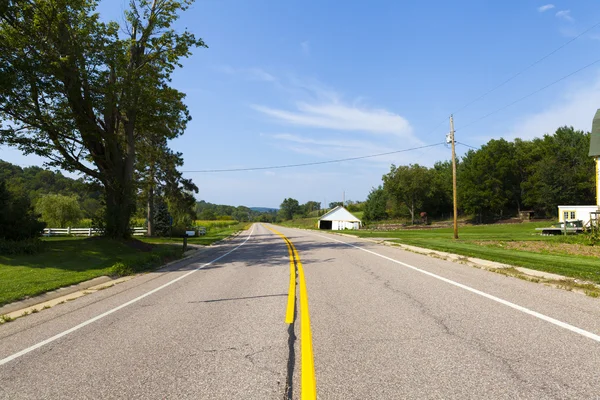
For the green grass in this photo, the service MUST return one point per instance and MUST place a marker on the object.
(472, 243)
(305, 223)
(214, 233)
(67, 261)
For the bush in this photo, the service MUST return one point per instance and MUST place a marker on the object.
(146, 261)
(28, 246)
(17, 220)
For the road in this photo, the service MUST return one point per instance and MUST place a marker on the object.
(384, 324)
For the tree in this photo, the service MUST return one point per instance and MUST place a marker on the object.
(376, 204)
(560, 171)
(74, 91)
(309, 207)
(288, 208)
(17, 218)
(488, 183)
(162, 218)
(408, 185)
(59, 211)
(335, 204)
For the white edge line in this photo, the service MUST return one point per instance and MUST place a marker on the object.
(525, 310)
(96, 318)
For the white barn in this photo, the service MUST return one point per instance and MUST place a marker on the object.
(339, 219)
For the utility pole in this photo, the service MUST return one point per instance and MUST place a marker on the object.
(454, 177)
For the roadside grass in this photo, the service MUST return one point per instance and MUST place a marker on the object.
(304, 223)
(554, 254)
(214, 233)
(67, 261)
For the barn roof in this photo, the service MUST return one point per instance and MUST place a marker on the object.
(339, 214)
(595, 136)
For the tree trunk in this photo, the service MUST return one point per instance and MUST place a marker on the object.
(119, 207)
(150, 215)
(412, 212)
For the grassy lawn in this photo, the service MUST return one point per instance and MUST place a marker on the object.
(514, 244)
(67, 261)
(215, 231)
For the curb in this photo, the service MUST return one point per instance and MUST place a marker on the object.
(50, 299)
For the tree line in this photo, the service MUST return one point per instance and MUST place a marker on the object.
(497, 181)
(210, 212)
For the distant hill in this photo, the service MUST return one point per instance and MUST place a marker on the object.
(264, 209)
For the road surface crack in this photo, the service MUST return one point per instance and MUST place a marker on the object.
(289, 380)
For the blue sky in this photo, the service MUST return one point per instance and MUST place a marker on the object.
(287, 82)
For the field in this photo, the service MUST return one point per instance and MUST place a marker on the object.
(514, 244)
(67, 261)
(215, 231)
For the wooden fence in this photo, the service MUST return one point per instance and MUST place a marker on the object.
(138, 231)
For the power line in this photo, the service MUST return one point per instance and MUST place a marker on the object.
(530, 94)
(314, 163)
(467, 145)
(527, 68)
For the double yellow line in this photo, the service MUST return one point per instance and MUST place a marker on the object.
(308, 388)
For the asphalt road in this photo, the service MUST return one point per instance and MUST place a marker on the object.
(385, 323)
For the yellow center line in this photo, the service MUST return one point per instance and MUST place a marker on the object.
(289, 314)
(308, 389)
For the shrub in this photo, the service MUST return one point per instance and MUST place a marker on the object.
(17, 219)
(28, 246)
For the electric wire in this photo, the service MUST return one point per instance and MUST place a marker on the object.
(313, 163)
(527, 68)
(529, 95)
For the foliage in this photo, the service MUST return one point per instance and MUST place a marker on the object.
(376, 204)
(289, 207)
(59, 211)
(17, 218)
(408, 186)
(162, 218)
(558, 170)
(488, 180)
(27, 246)
(210, 212)
(77, 92)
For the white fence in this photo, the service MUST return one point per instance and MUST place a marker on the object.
(138, 231)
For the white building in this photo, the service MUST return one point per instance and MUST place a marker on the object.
(570, 213)
(339, 219)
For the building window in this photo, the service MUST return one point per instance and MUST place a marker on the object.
(572, 214)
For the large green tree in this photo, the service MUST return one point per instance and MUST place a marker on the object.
(409, 186)
(558, 171)
(75, 90)
(488, 182)
(288, 208)
(376, 205)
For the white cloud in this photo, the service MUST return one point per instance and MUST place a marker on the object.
(339, 116)
(566, 15)
(305, 47)
(576, 108)
(546, 7)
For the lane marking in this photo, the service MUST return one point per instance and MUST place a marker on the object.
(98, 317)
(308, 388)
(289, 314)
(525, 310)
